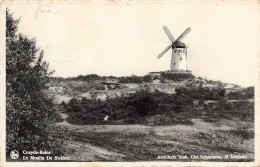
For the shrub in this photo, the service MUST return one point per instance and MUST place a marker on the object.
(237, 110)
(143, 103)
(250, 92)
(64, 105)
(243, 94)
(132, 79)
(89, 77)
(177, 76)
(202, 93)
(100, 87)
(139, 104)
(111, 77)
(147, 78)
(73, 105)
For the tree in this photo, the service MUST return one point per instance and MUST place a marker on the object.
(28, 108)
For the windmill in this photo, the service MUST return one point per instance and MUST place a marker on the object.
(179, 51)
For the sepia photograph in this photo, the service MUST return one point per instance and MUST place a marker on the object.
(130, 81)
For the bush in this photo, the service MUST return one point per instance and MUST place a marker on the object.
(89, 77)
(147, 78)
(100, 87)
(135, 106)
(73, 105)
(132, 79)
(143, 103)
(250, 92)
(177, 76)
(111, 77)
(247, 93)
(237, 110)
(202, 93)
(64, 105)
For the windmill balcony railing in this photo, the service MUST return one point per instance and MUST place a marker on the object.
(178, 71)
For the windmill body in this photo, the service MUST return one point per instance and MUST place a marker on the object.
(178, 59)
(179, 52)
(178, 62)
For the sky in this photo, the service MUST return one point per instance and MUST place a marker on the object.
(125, 37)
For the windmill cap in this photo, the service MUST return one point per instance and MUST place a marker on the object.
(179, 44)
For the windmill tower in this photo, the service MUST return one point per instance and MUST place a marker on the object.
(179, 51)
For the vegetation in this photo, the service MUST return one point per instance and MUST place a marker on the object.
(89, 77)
(29, 110)
(177, 76)
(147, 78)
(140, 104)
(143, 106)
(203, 93)
(238, 110)
(144, 145)
(131, 79)
(247, 93)
(135, 79)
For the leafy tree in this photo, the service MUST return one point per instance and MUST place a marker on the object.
(28, 108)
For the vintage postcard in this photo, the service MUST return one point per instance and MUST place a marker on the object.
(129, 83)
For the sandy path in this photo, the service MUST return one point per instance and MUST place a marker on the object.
(86, 151)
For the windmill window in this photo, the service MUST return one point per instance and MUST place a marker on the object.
(173, 63)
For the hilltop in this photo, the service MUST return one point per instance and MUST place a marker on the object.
(101, 88)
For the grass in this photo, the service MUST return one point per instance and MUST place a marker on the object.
(239, 110)
(147, 146)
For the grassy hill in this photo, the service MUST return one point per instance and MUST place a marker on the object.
(138, 118)
(145, 100)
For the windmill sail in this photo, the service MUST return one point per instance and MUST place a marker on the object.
(164, 51)
(168, 33)
(183, 34)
